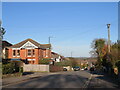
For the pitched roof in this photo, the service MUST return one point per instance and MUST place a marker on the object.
(6, 44)
(56, 55)
(43, 46)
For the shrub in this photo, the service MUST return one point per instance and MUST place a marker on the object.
(11, 67)
(21, 69)
(44, 61)
(118, 65)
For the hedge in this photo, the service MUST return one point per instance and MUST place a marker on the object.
(11, 67)
(44, 61)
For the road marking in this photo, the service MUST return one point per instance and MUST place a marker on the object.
(88, 81)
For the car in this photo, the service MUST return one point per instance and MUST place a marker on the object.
(92, 69)
(85, 68)
(82, 69)
(64, 69)
(76, 68)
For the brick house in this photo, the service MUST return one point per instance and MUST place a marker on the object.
(5, 44)
(56, 57)
(29, 51)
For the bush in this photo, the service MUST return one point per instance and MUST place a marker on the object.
(21, 69)
(118, 65)
(63, 63)
(11, 67)
(44, 61)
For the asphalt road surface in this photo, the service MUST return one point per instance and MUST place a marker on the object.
(74, 79)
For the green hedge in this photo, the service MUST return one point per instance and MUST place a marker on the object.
(11, 67)
(44, 61)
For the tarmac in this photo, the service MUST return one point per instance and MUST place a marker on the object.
(96, 80)
(12, 80)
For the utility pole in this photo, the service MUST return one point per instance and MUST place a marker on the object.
(71, 54)
(0, 30)
(108, 26)
(49, 39)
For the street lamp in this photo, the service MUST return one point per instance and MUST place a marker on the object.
(0, 30)
(108, 26)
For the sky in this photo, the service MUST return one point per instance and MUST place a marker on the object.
(72, 25)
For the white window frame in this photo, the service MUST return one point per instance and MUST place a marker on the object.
(13, 52)
(17, 53)
(46, 53)
(31, 53)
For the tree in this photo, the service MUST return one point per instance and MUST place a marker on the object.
(2, 31)
(99, 49)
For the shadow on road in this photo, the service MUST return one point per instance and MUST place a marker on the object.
(106, 77)
(55, 81)
(28, 73)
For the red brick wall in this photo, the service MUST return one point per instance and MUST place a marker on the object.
(36, 56)
(24, 52)
(9, 53)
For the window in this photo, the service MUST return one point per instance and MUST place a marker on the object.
(46, 53)
(33, 52)
(14, 52)
(29, 52)
(18, 52)
(43, 53)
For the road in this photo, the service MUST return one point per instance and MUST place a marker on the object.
(73, 79)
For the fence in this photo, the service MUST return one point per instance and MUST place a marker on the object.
(32, 67)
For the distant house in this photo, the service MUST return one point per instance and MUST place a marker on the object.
(29, 51)
(5, 45)
(56, 57)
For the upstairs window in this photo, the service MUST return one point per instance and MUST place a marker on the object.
(29, 52)
(46, 53)
(18, 52)
(33, 52)
(14, 52)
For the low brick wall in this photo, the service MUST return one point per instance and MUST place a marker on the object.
(33, 67)
(55, 68)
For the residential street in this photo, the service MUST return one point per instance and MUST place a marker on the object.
(73, 79)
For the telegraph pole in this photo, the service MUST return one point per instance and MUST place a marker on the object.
(49, 39)
(108, 26)
(71, 54)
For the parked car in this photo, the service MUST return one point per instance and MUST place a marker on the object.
(64, 69)
(92, 69)
(82, 69)
(76, 68)
(85, 68)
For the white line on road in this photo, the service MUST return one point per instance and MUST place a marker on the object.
(87, 82)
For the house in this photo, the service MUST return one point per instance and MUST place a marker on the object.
(5, 44)
(56, 57)
(29, 51)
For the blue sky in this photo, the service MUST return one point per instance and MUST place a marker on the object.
(73, 25)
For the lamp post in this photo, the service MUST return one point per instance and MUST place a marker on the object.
(108, 26)
(0, 30)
